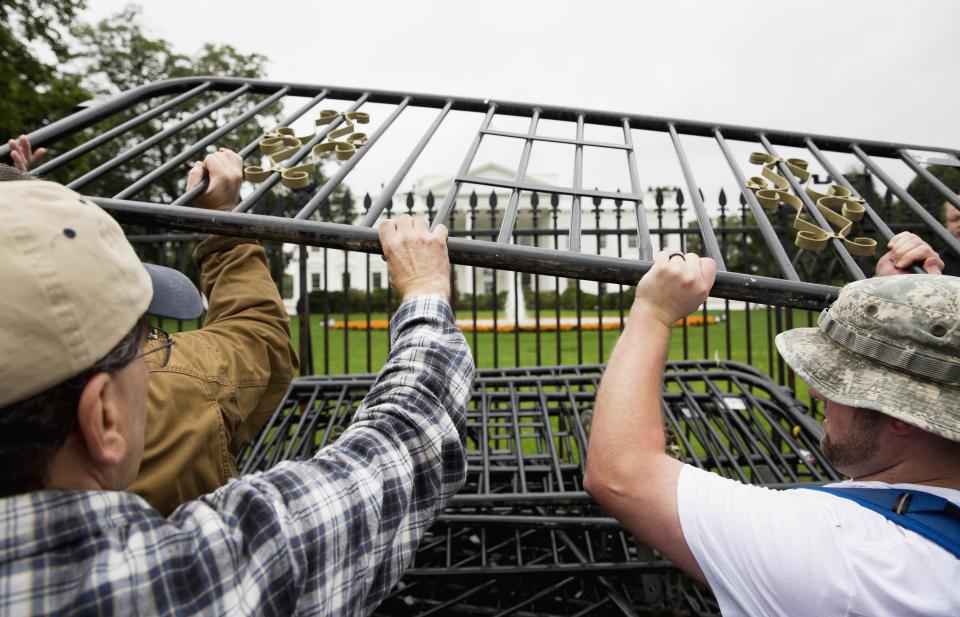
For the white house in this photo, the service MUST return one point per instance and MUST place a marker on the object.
(332, 268)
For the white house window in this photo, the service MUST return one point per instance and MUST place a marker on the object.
(377, 280)
(315, 280)
(632, 240)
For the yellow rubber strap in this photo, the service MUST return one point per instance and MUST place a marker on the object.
(255, 173)
(839, 207)
(281, 144)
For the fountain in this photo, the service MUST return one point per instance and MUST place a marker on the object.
(516, 308)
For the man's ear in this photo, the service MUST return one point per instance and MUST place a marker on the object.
(98, 416)
(901, 428)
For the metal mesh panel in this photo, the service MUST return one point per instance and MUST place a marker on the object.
(522, 537)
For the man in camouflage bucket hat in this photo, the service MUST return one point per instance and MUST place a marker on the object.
(888, 344)
(886, 362)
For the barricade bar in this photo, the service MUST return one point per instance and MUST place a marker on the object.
(485, 221)
(250, 147)
(575, 210)
(706, 227)
(643, 230)
(510, 216)
(391, 188)
(103, 138)
(932, 179)
(560, 140)
(732, 285)
(908, 199)
(451, 197)
(766, 230)
(158, 138)
(192, 151)
(82, 119)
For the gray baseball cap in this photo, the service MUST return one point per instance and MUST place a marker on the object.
(891, 344)
(174, 295)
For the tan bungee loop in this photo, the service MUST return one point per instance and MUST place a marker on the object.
(281, 144)
(811, 236)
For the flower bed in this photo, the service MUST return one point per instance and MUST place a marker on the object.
(565, 324)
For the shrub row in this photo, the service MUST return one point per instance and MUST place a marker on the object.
(357, 300)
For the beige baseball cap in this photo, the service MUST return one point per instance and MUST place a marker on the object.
(71, 287)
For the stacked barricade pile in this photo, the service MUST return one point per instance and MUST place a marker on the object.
(522, 537)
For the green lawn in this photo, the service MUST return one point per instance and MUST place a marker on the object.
(337, 351)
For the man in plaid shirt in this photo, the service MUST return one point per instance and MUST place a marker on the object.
(329, 536)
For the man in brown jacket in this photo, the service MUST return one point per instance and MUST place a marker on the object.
(223, 381)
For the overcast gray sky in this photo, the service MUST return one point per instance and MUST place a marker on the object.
(873, 69)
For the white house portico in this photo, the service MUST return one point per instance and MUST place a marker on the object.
(326, 268)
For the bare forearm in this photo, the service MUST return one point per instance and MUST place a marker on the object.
(628, 471)
(627, 423)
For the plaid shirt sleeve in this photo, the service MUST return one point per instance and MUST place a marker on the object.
(331, 536)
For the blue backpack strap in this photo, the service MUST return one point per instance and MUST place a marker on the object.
(933, 517)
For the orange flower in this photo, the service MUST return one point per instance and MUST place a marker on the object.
(548, 324)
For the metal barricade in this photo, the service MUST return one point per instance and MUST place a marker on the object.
(523, 515)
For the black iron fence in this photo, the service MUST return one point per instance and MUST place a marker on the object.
(342, 304)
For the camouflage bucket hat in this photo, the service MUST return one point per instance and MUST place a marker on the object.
(891, 344)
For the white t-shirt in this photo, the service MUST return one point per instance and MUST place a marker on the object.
(803, 552)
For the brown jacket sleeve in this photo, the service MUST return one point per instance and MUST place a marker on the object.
(222, 382)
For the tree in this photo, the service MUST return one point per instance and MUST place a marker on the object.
(116, 54)
(77, 61)
(51, 61)
(927, 194)
(36, 89)
(898, 215)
